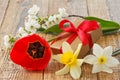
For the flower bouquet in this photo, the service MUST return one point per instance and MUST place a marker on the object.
(69, 44)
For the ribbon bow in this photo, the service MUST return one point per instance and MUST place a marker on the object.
(82, 31)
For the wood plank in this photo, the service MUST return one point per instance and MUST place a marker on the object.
(78, 7)
(3, 7)
(114, 9)
(98, 8)
(15, 13)
(14, 18)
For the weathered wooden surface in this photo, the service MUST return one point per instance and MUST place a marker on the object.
(12, 13)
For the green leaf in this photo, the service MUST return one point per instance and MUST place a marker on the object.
(40, 29)
(53, 29)
(110, 32)
(106, 25)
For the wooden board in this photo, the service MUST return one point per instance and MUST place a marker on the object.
(12, 14)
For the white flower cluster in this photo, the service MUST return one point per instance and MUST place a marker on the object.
(55, 19)
(8, 41)
(31, 22)
(34, 22)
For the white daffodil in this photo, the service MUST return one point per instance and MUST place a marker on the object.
(62, 12)
(34, 10)
(69, 58)
(57, 18)
(102, 59)
(7, 41)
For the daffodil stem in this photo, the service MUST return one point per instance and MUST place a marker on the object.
(116, 52)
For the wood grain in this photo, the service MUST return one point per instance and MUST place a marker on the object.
(3, 7)
(100, 9)
(12, 14)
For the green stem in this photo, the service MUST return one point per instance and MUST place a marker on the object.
(116, 52)
(111, 32)
(76, 16)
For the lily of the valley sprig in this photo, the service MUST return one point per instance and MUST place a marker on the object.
(101, 59)
(69, 59)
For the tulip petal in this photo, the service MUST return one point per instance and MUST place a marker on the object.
(80, 61)
(66, 47)
(57, 57)
(112, 62)
(97, 50)
(108, 51)
(78, 50)
(75, 71)
(90, 59)
(63, 71)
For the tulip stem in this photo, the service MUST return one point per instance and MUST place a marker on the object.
(52, 39)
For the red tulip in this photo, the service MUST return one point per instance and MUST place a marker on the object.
(31, 52)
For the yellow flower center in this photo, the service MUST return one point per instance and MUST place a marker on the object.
(102, 60)
(68, 58)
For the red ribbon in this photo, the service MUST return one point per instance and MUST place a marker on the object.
(82, 31)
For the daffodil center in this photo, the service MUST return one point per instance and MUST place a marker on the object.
(36, 50)
(102, 60)
(68, 58)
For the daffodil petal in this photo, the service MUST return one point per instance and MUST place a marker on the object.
(108, 51)
(57, 57)
(96, 68)
(66, 47)
(90, 59)
(99, 67)
(97, 50)
(112, 62)
(75, 72)
(80, 61)
(106, 69)
(78, 50)
(63, 71)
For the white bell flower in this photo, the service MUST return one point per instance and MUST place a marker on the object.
(57, 18)
(62, 12)
(51, 18)
(69, 58)
(7, 41)
(6, 38)
(44, 26)
(31, 29)
(34, 10)
(22, 32)
(32, 17)
(32, 22)
(49, 23)
(102, 59)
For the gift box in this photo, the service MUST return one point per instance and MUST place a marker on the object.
(92, 34)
